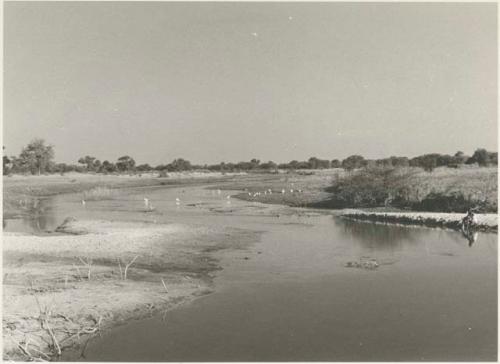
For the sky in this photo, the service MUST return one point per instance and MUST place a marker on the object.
(212, 82)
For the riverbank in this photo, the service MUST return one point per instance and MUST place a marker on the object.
(60, 290)
(486, 222)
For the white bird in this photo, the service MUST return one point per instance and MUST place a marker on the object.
(290, 18)
(283, 191)
(291, 190)
(228, 197)
(177, 201)
(218, 191)
(83, 202)
(255, 34)
(146, 202)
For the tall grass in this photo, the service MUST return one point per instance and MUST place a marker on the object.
(445, 189)
(99, 193)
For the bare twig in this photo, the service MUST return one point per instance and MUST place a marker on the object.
(54, 339)
(127, 266)
(164, 285)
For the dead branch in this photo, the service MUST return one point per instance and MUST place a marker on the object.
(164, 285)
(54, 339)
(127, 266)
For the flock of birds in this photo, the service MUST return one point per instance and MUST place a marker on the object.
(270, 192)
(148, 205)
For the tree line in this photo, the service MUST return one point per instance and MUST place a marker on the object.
(38, 158)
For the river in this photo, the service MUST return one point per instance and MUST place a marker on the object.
(291, 297)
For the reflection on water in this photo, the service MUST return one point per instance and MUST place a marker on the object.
(380, 235)
(37, 215)
(389, 236)
(471, 236)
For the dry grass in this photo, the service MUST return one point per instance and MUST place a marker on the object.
(444, 189)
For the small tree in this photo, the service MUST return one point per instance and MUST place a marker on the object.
(36, 156)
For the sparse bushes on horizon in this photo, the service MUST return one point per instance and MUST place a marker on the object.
(37, 158)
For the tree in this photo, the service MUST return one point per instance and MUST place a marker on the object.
(36, 156)
(483, 158)
(460, 157)
(254, 163)
(125, 163)
(353, 162)
(427, 161)
(178, 165)
(316, 163)
(335, 163)
(269, 165)
(91, 163)
(144, 167)
(107, 167)
(400, 161)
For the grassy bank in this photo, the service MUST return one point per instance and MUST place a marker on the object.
(60, 290)
(443, 190)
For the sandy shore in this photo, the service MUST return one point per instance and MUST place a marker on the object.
(486, 222)
(59, 290)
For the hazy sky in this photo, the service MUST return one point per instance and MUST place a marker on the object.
(215, 82)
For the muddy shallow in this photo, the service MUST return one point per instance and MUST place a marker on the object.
(291, 296)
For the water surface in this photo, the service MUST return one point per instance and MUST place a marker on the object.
(290, 297)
